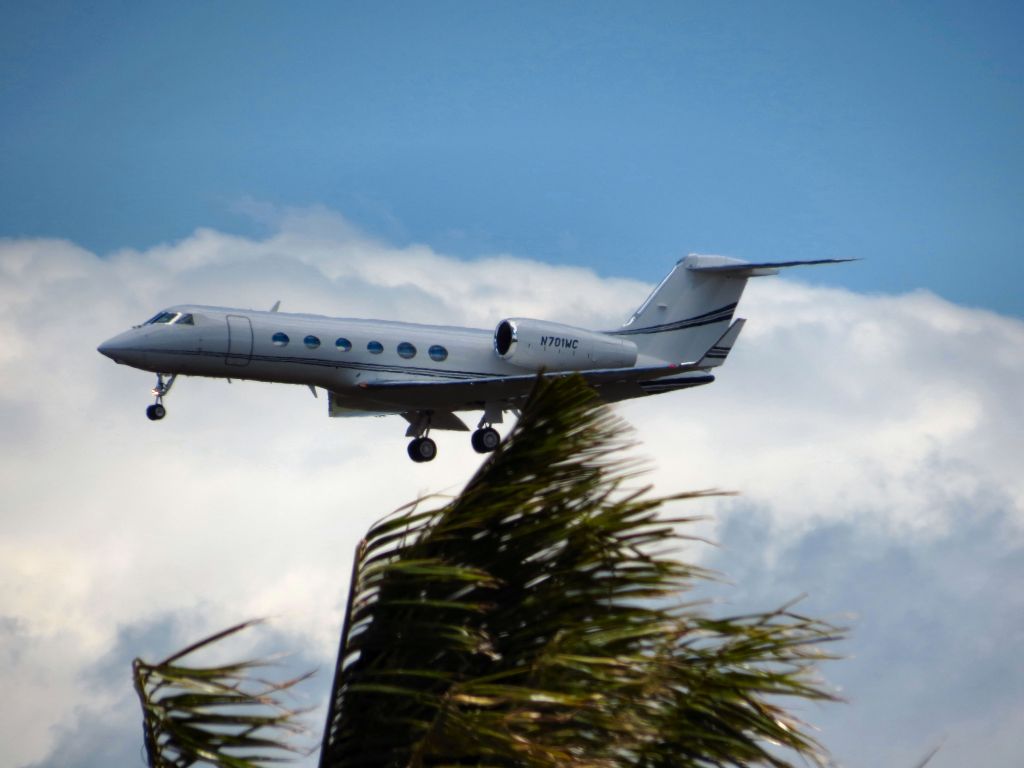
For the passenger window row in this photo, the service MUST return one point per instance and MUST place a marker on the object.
(405, 350)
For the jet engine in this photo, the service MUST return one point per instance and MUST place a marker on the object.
(537, 345)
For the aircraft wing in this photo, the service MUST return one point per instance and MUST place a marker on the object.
(500, 388)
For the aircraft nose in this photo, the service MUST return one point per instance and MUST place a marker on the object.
(123, 348)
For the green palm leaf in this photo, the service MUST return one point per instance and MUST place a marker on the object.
(224, 716)
(536, 620)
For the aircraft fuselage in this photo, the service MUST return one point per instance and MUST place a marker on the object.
(340, 355)
(428, 372)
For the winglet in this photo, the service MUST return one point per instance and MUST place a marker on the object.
(718, 351)
(277, 306)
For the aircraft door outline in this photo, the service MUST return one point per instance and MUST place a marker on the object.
(239, 341)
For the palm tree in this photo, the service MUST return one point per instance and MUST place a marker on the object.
(222, 715)
(540, 619)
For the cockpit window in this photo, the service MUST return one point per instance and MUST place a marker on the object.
(185, 320)
(163, 317)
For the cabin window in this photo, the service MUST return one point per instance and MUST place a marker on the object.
(280, 339)
(343, 345)
(185, 320)
(438, 353)
(406, 350)
(375, 347)
(311, 342)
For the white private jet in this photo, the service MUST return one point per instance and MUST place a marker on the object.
(427, 373)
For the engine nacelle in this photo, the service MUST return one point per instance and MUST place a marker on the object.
(537, 344)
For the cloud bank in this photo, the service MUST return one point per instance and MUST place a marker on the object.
(874, 439)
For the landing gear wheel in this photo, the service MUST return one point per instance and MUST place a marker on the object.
(422, 449)
(156, 412)
(485, 440)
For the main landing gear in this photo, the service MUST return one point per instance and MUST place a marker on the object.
(422, 449)
(485, 439)
(156, 411)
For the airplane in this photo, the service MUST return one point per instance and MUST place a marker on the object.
(429, 373)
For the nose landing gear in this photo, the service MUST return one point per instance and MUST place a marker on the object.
(156, 411)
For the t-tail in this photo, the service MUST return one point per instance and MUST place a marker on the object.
(689, 316)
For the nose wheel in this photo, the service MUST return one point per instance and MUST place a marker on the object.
(156, 411)
(485, 439)
(422, 449)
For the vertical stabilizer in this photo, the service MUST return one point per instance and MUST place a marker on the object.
(690, 311)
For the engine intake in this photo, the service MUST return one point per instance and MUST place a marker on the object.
(538, 344)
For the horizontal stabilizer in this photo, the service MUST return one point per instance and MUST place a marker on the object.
(726, 267)
(718, 351)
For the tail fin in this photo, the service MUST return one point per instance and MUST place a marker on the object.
(689, 313)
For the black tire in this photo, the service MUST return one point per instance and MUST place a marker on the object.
(414, 450)
(427, 449)
(155, 412)
(485, 440)
(422, 449)
(489, 439)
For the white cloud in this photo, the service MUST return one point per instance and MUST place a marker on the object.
(936, 624)
(883, 413)
(843, 405)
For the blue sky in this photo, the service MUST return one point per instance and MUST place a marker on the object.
(605, 135)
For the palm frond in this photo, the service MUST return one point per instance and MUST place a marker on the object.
(226, 716)
(535, 620)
